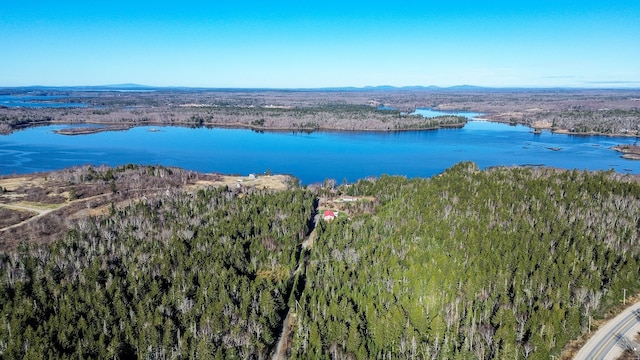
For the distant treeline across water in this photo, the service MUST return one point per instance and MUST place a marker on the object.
(312, 157)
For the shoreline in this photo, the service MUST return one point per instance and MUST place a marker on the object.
(76, 128)
(599, 112)
(538, 129)
(629, 152)
(73, 131)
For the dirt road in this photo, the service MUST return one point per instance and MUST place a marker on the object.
(39, 213)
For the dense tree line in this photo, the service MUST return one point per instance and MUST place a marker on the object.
(507, 263)
(321, 116)
(602, 121)
(185, 275)
(435, 123)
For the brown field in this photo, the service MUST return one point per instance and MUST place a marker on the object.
(274, 182)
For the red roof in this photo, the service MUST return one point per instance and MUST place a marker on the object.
(329, 213)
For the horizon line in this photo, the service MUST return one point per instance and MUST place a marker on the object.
(613, 85)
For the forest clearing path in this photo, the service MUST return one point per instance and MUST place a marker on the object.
(39, 213)
(42, 210)
(284, 341)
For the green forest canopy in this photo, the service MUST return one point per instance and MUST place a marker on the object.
(503, 263)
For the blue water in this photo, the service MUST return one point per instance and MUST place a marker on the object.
(429, 113)
(311, 157)
(40, 101)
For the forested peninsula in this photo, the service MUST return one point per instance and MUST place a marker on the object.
(570, 111)
(505, 263)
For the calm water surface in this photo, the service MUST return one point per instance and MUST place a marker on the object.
(39, 101)
(311, 157)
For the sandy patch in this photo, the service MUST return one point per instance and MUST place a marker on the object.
(13, 184)
(274, 182)
(36, 206)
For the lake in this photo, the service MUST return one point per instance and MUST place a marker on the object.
(312, 157)
(37, 101)
(430, 113)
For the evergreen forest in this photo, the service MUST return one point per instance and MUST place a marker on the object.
(503, 263)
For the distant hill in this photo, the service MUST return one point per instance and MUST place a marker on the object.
(115, 87)
(124, 87)
(378, 88)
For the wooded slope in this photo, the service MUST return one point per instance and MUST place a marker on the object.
(504, 263)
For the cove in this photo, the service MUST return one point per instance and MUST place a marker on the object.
(311, 157)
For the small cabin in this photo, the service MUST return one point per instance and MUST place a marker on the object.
(328, 215)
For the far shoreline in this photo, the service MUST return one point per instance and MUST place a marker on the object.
(76, 128)
(629, 152)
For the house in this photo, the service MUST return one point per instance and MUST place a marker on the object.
(328, 215)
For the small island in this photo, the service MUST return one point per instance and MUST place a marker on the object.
(631, 152)
(91, 130)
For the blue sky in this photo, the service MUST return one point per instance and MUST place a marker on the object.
(281, 44)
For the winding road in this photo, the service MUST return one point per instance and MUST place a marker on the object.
(39, 213)
(610, 340)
